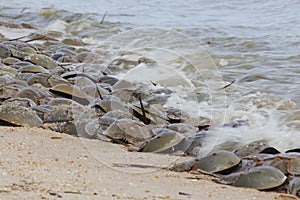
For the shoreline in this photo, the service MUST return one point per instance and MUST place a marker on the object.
(42, 164)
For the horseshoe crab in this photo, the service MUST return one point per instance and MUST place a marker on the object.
(148, 114)
(192, 143)
(108, 104)
(35, 94)
(46, 80)
(16, 102)
(118, 114)
(8, 91)
(158, 99)
(19, 116)
(42, 111)
(255, 148)
(189, 145)
(128, 131)
(184, 166)
(94, 129)
(61, 101)
(63, 118)
(185, 129)
(70, 92)
(33, 69)
(10, 61)
(97, 126)
(42, 60)
(175, 115)
(95, 90)
(87, 123)
(260, 178)
(165, 140)
(202, 123)
(293, 166)
(108, 79)
(220, 161)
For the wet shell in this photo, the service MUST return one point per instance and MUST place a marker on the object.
(117, 114)
(42, 60)
(252, 148)
(19, 116)
(182, 128)
(94, 130)
(184, 166)
(60, 102)
(175, 115)
(33, 69)
(85, 117)
(217, 162)
(70, 92)
(261, 178)
(92, 91)
(192, 143)
(16, 102)
(158, 99)
(106, 105)
(46, 80)
(8, 91)
(151, 114)
(128, 131)
(277, 162)
(35, 94)
(294, 166)
(108, 79)
(293, 162)
(163, 141)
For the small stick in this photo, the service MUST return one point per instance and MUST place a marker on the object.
(184, 193)
(98, 91)
(153, 83)
(227, 85)
(143, 109)
(138, 166)
(102, 20)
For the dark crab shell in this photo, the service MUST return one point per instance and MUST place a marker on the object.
(19, 116)
(71, 92)
(261, 178)
(217, 161)
(128, 131)
(163, 141)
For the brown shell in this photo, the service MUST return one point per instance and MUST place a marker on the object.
(70, 92)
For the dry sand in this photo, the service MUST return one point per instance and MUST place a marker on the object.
(42, 164)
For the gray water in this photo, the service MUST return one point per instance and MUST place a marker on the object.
(255, 43)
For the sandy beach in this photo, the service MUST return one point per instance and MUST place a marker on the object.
(42, 164)
(228, 67)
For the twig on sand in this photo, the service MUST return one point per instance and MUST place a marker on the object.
(184, 193)
(138, 166)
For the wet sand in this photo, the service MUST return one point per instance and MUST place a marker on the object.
(42, 164)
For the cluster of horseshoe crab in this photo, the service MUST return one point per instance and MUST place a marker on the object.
(43, 84)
